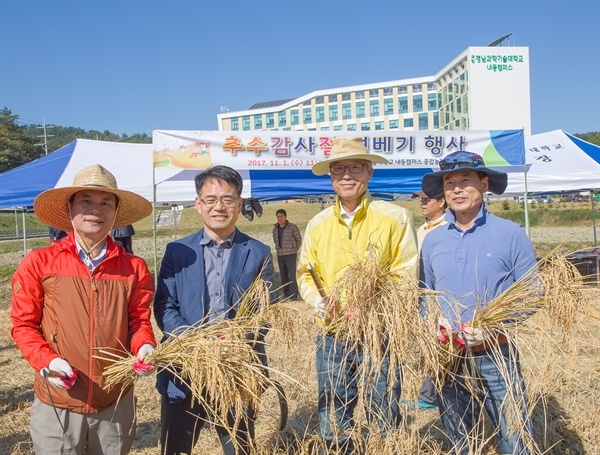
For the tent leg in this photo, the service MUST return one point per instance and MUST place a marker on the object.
(594, 217)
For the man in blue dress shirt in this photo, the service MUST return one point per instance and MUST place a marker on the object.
(471, 260)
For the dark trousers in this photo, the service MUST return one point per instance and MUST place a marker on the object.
(287, 269)
(181, 424)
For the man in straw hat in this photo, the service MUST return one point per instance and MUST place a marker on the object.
(201, 280)
(469, 261)
(77, 296)
(334, 239)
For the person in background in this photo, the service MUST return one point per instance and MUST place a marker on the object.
(470, 260)
(202, 278)
(335, 239)
(287, 239)
(124, 236)
(56, 235)
(434, 209)
(73, 298)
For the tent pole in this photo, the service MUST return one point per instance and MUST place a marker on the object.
(594, 218)
(525, 199)
(24, 234)
(154, 220)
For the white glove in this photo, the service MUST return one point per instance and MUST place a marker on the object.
(59, 365)
(321, 307)
(473, 335)
(144, 351)
(141, 368)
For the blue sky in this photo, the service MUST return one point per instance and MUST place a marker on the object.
(131, 66)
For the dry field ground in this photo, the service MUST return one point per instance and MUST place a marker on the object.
(563, 382)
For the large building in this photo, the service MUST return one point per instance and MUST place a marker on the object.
(483, 88)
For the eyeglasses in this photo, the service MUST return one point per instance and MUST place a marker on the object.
(467, 161)
(426, 200)
(227, 201)
(354, 168)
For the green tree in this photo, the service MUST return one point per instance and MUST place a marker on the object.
(592, 137)
(16, 148)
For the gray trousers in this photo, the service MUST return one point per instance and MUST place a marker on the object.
(110, 431)
(287, 269)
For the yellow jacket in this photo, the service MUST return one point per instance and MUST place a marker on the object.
(330, 245)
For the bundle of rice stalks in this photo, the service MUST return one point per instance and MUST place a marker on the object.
(379, 310)
(217, 362)
(554, 286)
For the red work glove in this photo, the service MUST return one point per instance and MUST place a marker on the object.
(141, 368)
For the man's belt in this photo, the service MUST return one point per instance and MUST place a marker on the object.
(489, 343)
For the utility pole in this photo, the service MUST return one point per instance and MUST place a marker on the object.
(45, 135)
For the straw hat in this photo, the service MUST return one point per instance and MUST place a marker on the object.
(51, 206)
(346, 149)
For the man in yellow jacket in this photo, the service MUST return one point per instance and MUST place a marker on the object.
(335, 239)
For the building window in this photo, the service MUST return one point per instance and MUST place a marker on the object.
(235, 124)
(360, 109)
(436, 122)
(320, 114)
(282, 119)
(333, 112)
(379, 125)
(365, 126)
(403, 104)
(388, 91)
(430, 86)
(337, 128)
(320, 100)
(423, 121)
(402, 89)
(431, 104)
(373, 93)
(417, 103)
(374, 107)
(306, 103)
(257, 122)
(408, 123)
(458, 106)
(393, 124)
(307, 115)
(324, 128)
(270, 121)
(388, 106)
(351, 127)
(294, 117)
(346, 111)
(246, 122)
(333, 98)
(417, 88)
(360, 95)
(346, 96)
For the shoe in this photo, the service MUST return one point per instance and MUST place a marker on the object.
(422, 404)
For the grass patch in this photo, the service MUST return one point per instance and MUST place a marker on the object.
(6, 273)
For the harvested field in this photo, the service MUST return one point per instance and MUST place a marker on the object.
(563, 382)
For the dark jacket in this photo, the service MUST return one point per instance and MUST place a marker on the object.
(179, 300)
(290, 241)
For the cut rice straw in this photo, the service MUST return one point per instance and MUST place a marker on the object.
(217, 362)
